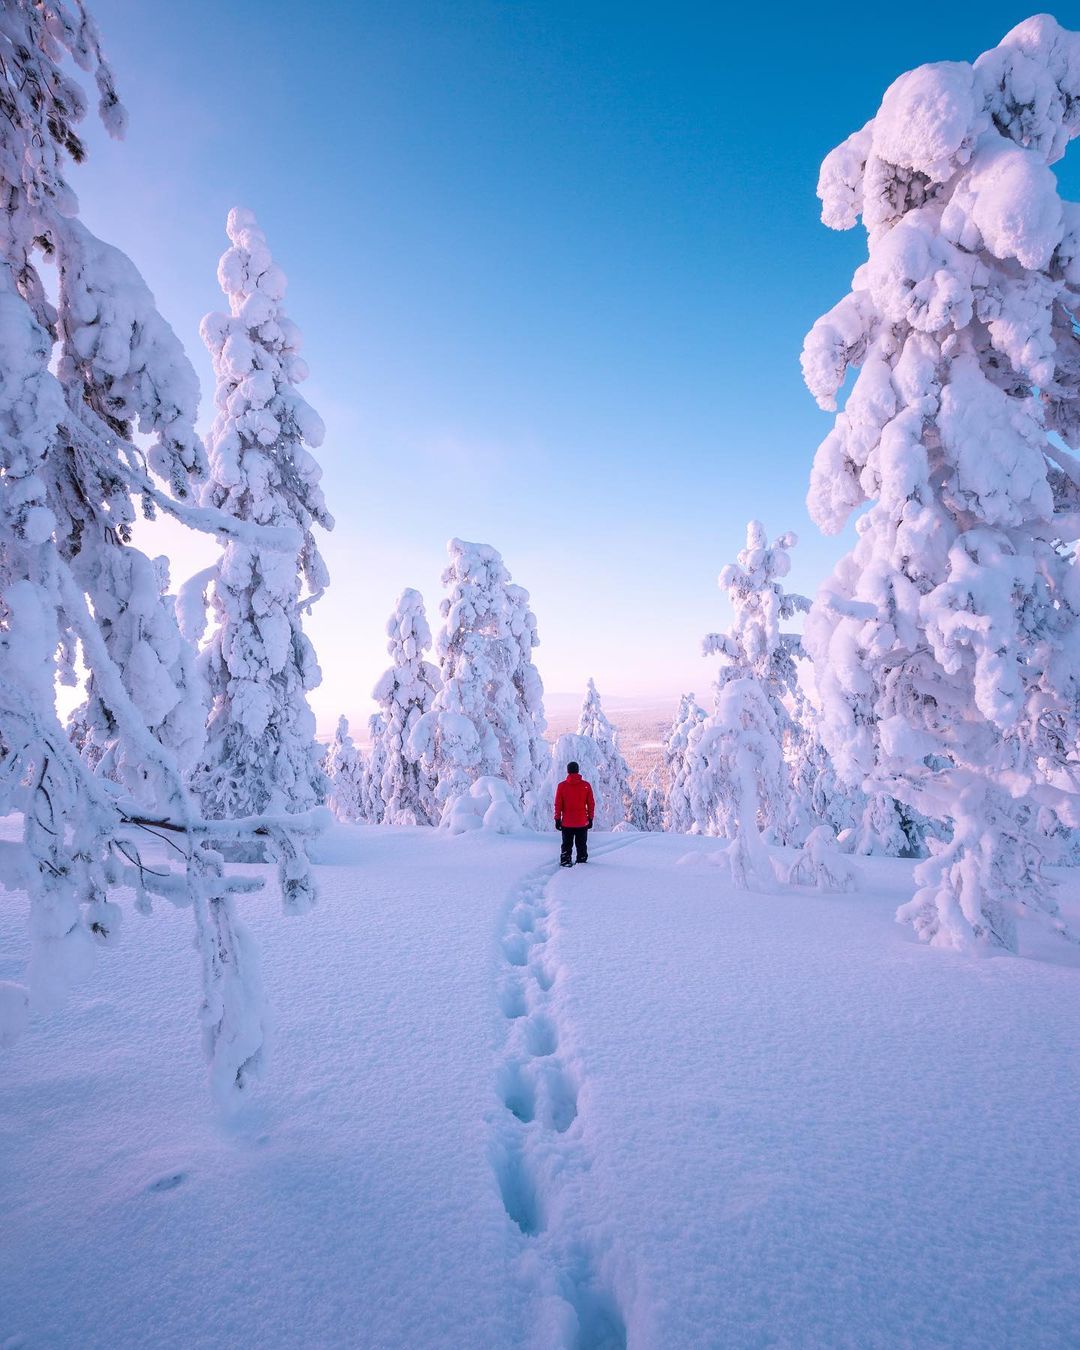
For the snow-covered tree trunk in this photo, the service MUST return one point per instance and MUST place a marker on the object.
(946, 645)
(405, 693)
(261, 754)
(78, 379)
(487, 720)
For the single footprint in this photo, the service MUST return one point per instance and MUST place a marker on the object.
(541, 1036)
(518, 1192)
(561, 1096)
(517, 1092)
(516, 947)
(512, 1000)
(169, 1182)
(544, 977)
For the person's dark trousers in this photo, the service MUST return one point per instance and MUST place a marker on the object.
(575, 838)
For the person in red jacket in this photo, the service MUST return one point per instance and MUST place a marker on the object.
(574, 810)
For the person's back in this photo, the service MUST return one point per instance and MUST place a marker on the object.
(575, 807)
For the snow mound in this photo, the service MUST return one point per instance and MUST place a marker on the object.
(490, 804)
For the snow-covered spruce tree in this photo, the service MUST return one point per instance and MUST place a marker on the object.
(344, 769)
(820, 864)
(405, 693)
(885, 827)
(756, 650)
(529, 689)
(820, 795)
(488, 717)
(946, 644)
(77, 379)
(261, 754)
(646, 810)
(372, 805)
(655, 799)
(138, 624)
(738, 780)
(611, 783)
(678, 814)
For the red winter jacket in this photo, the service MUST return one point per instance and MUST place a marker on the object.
(574, 803)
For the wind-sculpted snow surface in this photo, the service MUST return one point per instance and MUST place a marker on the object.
(511, 1106)
(947, 644)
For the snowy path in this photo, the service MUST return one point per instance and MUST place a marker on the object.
(538, 1148)
(511, 1106)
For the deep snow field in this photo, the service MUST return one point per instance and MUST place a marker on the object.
(512, 1106)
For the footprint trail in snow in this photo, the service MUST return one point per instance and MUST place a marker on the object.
(539, 1149)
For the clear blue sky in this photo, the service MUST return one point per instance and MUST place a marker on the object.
(553, 263)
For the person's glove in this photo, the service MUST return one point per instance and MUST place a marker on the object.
(558, 822)
(589, 826)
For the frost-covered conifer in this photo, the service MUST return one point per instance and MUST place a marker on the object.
(611, 781)
(344, 769)
(821, 864)
(78, 379)
(261, 754)
(488, 717)
(646, 811)
(756, 650)
(405, 693)
(678, 813)
(820, 796)
(755, 646)
(738, 782)
(886, 828)
(946, 644)
(372, 805)
(655, 799)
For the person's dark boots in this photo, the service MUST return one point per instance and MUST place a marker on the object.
(565, 862)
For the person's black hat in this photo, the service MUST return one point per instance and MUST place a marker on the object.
(572, 767)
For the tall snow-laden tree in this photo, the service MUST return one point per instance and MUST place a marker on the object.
(646, 808)
(261, 754)
(946, 644)
(678, 811)
(756, 650)
(344, 768)
(372, 804)
(611, 784)
(488, 718)
(405, 693)
(85, 363)
(755, 646)
(530, 701)
(821, 797)
(738, 781)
